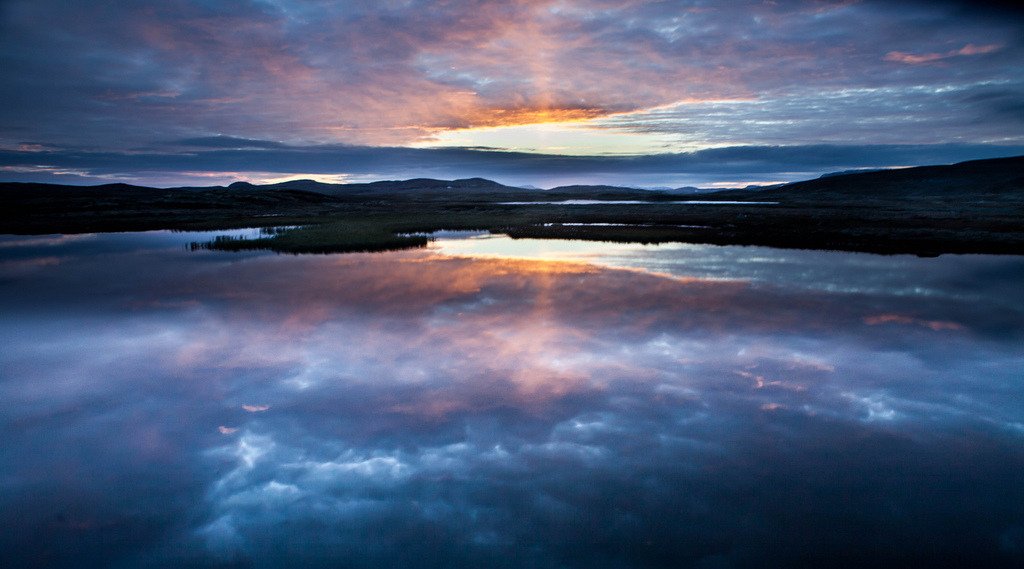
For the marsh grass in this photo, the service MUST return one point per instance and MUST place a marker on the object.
(343, 237)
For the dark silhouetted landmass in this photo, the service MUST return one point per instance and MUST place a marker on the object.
(966, 183)
(971, 207)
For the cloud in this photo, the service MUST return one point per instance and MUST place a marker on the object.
(200, 166)
(935, 325)
(969, 49)
(111, 76)
(232, 142)
(844, 116)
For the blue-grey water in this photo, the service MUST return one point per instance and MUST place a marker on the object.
(488, 402)
(639, 202)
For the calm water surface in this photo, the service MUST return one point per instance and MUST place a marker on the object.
(639, 202)
(489, 402)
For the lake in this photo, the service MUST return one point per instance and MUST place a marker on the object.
(639, 202)
(489, 402)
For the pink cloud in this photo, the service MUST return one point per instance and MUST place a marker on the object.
(936, 325)
(914, 59)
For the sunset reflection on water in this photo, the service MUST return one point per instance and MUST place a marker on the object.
(475, 404)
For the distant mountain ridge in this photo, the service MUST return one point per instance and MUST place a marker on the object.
(976, 179)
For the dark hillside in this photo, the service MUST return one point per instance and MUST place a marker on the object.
(966, 182)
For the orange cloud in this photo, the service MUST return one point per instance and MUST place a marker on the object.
(523, 116)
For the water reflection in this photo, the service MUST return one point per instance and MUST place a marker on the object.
(641, 202)
(486, 402)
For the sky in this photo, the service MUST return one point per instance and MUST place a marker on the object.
(527, 92)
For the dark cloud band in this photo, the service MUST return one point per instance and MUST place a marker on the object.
(188, 161)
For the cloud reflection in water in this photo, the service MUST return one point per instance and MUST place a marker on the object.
(422, 409)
